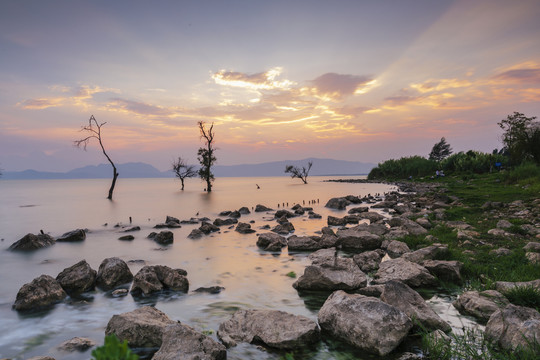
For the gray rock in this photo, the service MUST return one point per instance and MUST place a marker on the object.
(369, 260)
(335, 221)
(358, 240)
(396, 233)
(42, 292)
(274, 328)
(414, 228)
(411, 303)
(78, 278)
(533, 257)
(225, 222)
(304, 243)
(444, 270)
(132, 228)
(409, 356)
(76, 344)
(271, 242)
(480, 305)
(284, 212)
(408, 272)
(142, 327)
(423, 222)
(262, 208)
(331, 274)
(284, 228)
(164, 237)
(159, 277)
(244, 228)
(72, 236)
(127, 237)
(32, 242)
(244, 210)
(172, 219)
(207, 228)
(371, 216)
(514, 327)
(365, 322)
(41, 358)
(371, 290)
(427, 253)
(211, 289)
(112, 273)
(504, 224)
(504, 286)
(195, 234)
(338, 203)
(500, 252)
(532, 246)
(358, 210)
(397, 248)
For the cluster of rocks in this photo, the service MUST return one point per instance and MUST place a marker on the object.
(33, 242)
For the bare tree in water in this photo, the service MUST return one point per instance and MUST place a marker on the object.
(94, 130)
(183, 170)
(296, 172)
(206, 155)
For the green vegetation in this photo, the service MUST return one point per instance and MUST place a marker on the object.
(291, 274)
(113, 349)
(528, 296)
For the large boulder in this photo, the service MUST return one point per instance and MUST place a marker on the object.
(78, 278)
(207, 228)
(408, 272)
(480, 305)
(365, 322)
(164, 237)
(262, 208)
(244, 228)
(358, 240)
(32, 242)
(225, 222)
(112, 273)
(428, 253)
(271, 241)
(411, 303)
(504, 286)
(183, 342)
(340, 203)
(159, 277)
(72, 236)
(444, 269)
(76, 344)
(304, 243)
(369, 260)
(284, 228)
(42, 292)
(142, 328)
(274, 328)
(514, 327)
(397, 248)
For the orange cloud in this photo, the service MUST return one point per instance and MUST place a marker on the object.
(337, 86)
(259, 81)
(41, 103)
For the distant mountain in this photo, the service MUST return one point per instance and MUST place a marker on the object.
(142, 170)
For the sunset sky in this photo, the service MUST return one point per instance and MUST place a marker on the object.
(281, 80)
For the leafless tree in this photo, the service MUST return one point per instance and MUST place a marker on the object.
(296, 172)
(206, 154)
(183, 170)
(94, 130)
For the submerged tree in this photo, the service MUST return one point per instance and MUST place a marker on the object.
(94, 129)
(296, 172)
(440, 151)
(206, 154)
(183, 170)
(521, 137)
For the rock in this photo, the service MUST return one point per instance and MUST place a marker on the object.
(274, 328)
(409, 356)
(77, 344)
(132, 228)
(358, 240)
(504, 286)
(335, 221)
(142, 328)
(284, 228)
(480, 305)
(225, 222)
(364, 322)
(331, 273)
(497, 232)
(414, 228)
(427, 253)
(78, 278)
(514, 327)
(500, 252)
(304, 243)
(73, 236)
(32, 242)
(40, 358)
(159, 277)
(244, 210)
(533, 257)
(406, 271)
(262, 208)
(371, 290)
(207, 228)
(271, 242)
(338, 203)
(397, 248)
(183, 342)
(112, 273)
(411, 303)
(210, 290)
(371, 216)
(358, 210)
(120, 292)
(313, 215)
(504, 224)
(126, 238)
(172, 219)
(396, 233)
(235, 214)
(369, 260)
(164, 237)
(423, 222)
(42, 292)
(532, 246)
(195, 234)
(244, 228)
(444, 270)
(283, 212)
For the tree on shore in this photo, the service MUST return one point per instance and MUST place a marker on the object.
(94, 130)
(182, 170)
(205, 154)
(440, 151)
(521, 137)
(296, 172)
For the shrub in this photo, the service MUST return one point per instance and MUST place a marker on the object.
(113, 349)
(528, 296)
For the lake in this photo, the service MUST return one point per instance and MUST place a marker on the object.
(252, 278)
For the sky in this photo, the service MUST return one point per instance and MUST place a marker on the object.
(280, 80)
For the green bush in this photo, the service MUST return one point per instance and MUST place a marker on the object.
(473, 162)
(523, 172)
(528, 296)
(403, 168)
(113, 349)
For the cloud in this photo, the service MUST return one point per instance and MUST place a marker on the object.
(520, 75)
(259, 81)
(139, 108)
(336, 86)
(41, 103)
(79, 96)
(440, 85)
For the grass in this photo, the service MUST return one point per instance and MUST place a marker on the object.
(528, 296)
(291, 274)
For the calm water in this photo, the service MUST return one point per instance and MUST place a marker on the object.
(252, 278)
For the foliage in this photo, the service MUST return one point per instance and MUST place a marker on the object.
(440, 150)
(415, 166)
(291, 274)
(472, 162)
(183, 170)
(296, 172)
(528, 296)
(206, 154)
(521, 137)
(113, 349)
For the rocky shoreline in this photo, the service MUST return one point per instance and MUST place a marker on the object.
(358, 260)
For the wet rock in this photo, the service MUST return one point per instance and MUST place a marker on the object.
(444, 270)
(207, 228)
(78, 278)
(159, 277)
(170, 225)
(411, 303)
(244, 210)
(235, 214)
(183, 342)
(141, 328)
(225, 222)
(72, 236)
(172, 219)
(274, 328)
(244, 228)
(164, 237)
(210, 289)
(284, 228)
(364, 322)
(480, 305)
(397, 248)
(428, 253)
(283, 212)
(304, 243)
(32, 242)
(126, 238)
(271, 242)
(113, 272)
(358, 240)
(195, 234)
(371, 216)
(369, 260)
(120, 292)
(358, 210)
(335, 221)
(262, 208)
(132, 228)
(514, 327)
(338, 203)
(313, 215)
(408, 272)
(77, 344)
(42, 292)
